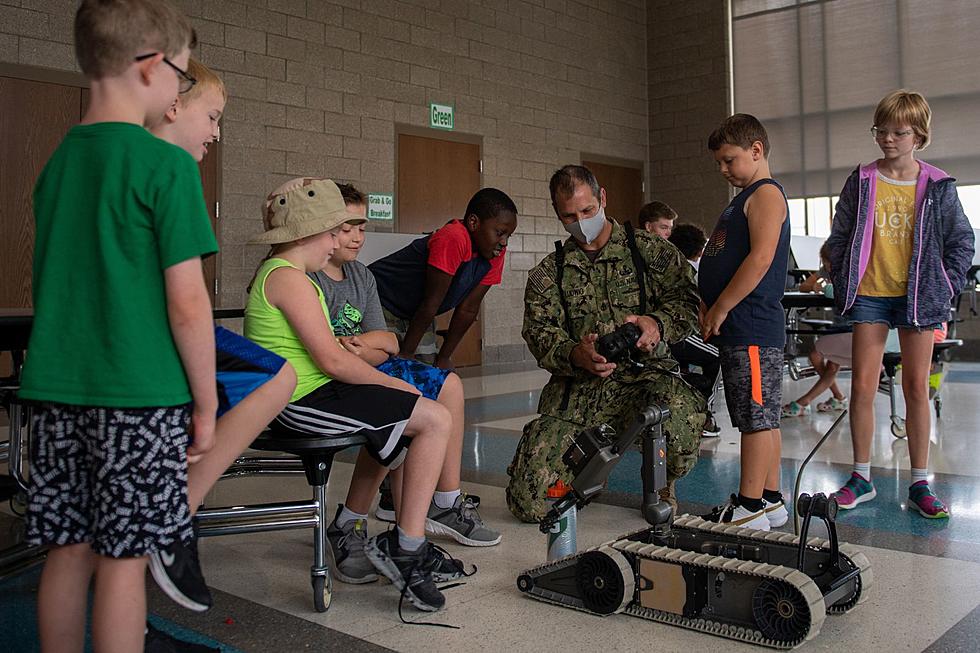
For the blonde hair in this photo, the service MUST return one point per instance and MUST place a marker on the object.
(109, 34)
(206, 78)
(904, 107)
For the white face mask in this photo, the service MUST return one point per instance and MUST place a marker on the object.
(587, 229)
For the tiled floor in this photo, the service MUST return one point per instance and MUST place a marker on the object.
(927, 573)
(919, 565)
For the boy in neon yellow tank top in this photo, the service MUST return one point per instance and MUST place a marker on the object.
(337, 393)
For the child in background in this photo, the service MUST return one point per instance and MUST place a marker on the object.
(900, 247)
(741, 280)
(337, 393)
(657, 218)
(121, 360)
(692, 351)
(352, 298)
(830, 352)
(253, 384)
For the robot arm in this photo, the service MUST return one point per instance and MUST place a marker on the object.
(594, 453)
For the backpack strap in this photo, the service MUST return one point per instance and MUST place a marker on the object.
(566, 393)
(640, 266)
(559, 268)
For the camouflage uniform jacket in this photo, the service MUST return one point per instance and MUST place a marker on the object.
(599, 296)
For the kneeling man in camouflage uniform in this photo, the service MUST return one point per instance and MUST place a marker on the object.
(604, 275)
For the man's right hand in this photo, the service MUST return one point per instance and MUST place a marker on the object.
(584, 356)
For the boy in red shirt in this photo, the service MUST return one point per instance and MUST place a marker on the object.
(451, 268)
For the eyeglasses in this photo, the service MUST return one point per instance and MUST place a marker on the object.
(185, 81)
(881, 134)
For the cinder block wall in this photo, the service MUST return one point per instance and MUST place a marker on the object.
(687, 68)
(317, 88)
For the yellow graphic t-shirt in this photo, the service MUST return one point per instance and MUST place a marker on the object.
(887, 274)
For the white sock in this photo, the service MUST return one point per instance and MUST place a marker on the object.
(445, 499)
(919, 475)
(864, 469)
(409, 543)
(346, 515)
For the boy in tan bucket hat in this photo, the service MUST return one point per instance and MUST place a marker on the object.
(337, 393)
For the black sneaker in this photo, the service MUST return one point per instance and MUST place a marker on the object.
(446, 568)
(177, 570)
(410, 571)
(711, 428)
(386, 504)
(157, 641)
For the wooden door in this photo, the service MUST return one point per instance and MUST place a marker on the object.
(624, 189)
(34, 117)
(436, 179)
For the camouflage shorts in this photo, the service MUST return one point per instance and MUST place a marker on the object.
(537, 462)
(399, 326)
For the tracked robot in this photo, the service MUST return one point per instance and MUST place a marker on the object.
(767, 588)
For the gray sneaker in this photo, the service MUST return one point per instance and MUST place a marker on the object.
(349, 562)
(462, 522)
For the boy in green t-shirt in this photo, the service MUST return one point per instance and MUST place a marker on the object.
(122, 340)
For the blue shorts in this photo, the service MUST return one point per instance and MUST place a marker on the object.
(427, 379)
(242, 367)
(892, 311)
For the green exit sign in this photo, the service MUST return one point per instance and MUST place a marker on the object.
(441, 116)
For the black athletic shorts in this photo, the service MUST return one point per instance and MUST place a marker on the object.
(337, 408)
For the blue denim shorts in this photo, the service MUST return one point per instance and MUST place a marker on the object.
(892, 311)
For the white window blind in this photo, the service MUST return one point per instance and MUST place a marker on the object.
(814, 70)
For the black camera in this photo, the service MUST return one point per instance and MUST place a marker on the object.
(618, 345)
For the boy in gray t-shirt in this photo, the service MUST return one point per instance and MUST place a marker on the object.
(351, 295)
(353, 301)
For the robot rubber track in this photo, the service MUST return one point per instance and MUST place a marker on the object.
(765, 604)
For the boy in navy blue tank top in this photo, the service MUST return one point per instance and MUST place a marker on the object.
(741, 282)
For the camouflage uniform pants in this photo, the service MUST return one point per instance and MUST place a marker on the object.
(537, 462)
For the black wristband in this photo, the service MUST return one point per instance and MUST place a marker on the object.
(660, 325)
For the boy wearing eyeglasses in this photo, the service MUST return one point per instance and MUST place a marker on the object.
(122, 356)
(899, 250)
